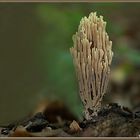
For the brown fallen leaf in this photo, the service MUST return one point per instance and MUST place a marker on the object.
(74, 126)
(55, 109)
(20, 132)
(47, 132)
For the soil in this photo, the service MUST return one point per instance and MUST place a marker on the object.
(112, 121)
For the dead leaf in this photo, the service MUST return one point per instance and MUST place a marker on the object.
(74, 127)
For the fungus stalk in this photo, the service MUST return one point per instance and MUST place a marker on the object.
(92, 55)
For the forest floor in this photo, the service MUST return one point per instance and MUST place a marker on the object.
(112, 121)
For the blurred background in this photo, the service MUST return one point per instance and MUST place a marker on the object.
(35, 62)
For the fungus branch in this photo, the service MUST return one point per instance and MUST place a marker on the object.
(92, 56)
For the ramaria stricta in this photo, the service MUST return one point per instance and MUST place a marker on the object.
(92, 55)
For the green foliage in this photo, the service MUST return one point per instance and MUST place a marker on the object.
(59, 69)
